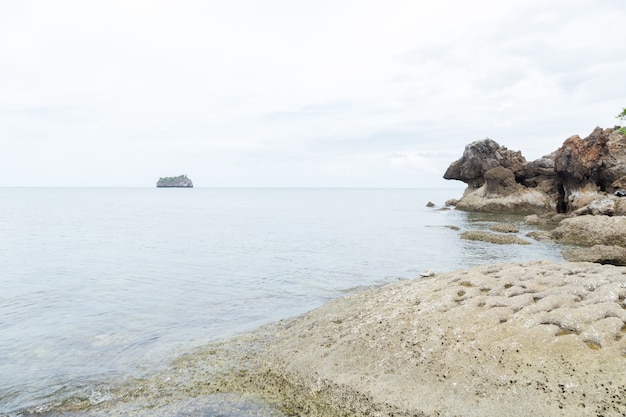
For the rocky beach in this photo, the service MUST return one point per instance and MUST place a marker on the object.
(524, 339)
(528, 339)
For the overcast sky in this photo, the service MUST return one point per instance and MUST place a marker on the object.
(296, 93)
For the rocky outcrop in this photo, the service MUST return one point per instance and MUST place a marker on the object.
(596, 163)
(569, 179)
(174, 182)
(495, 180)
(480, 157)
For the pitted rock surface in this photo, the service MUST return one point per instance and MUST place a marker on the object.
(531, 339)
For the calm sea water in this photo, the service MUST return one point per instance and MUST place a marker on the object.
(100, 284)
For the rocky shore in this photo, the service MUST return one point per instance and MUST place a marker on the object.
(583, 176)
(529, 339)
(537, 339)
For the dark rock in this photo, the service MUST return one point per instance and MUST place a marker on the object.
(430, 204)
(175, 182)
(500, 181)
(478, 158)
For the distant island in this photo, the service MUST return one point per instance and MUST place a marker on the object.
(175, 182)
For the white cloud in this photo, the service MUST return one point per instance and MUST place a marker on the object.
(296, 93)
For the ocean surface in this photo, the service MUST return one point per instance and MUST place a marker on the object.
(98, 285)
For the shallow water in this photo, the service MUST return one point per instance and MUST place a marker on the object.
(103, 285)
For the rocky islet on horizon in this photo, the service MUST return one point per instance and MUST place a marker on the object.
(181, 181)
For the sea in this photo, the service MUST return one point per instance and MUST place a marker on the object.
(103, 285)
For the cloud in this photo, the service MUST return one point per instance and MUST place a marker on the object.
(296, 93)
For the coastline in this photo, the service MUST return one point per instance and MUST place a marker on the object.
(534, 339)
(538, 338)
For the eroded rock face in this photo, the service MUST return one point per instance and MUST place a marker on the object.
(594, 163)
(478, 158)
(562, 181)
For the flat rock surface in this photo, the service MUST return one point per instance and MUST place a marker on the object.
(497, 238)
(532, 339)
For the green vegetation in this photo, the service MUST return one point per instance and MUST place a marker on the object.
(622, 116)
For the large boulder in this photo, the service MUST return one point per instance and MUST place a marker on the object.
(592, 230)
(601, 254)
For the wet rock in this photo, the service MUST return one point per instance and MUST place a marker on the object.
(505, 228)
(540, 235)
(430, 204)
(496, 238)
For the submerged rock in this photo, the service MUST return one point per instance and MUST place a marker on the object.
(505, 228)
(496, 238)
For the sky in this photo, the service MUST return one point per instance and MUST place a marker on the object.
(278, 93)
